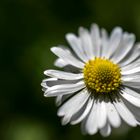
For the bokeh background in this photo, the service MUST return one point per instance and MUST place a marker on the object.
(28, 28)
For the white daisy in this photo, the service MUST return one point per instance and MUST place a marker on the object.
(102, 84)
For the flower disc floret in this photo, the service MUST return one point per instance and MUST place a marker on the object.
(102, 75)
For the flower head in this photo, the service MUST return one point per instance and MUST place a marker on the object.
(101, 83)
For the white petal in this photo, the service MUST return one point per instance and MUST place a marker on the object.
(131, 77)
(114, 41)
(96, 40)
(62, 98)
(104, 42)
(60, 63)
(101, 114)
(86, 42)
(43, 84)
(133, 84)
(64, 89)
(132, 70)
(135, 110)
(58, 100)
(91, 124)
(125, 114)
(85, 113)
(125, 46)
(130, 66)
(67, 56)
(131, 96)
(76, 45)
(105, 131)
(132, 80)
(132, 56)
(112, 114)
(73, 105)
(132, 92)
(63, 75)
(50, 82)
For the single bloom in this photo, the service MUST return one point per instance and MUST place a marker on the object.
(101, 83)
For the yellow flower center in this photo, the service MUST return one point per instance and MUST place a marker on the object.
(101, 75)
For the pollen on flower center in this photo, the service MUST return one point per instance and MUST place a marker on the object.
(102, 75)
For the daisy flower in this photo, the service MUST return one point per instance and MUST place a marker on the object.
(101, 83)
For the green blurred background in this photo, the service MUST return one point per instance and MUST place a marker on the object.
(28, 28)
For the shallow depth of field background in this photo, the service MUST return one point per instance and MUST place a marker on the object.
(28, 28)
